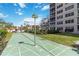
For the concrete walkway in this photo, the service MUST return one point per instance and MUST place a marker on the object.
(15, 47)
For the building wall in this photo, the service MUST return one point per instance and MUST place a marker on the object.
(62, 20)
(44, 24)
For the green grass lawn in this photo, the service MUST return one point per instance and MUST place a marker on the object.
(8, 36)
(62, 38)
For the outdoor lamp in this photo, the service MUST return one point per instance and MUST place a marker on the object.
(34, 16)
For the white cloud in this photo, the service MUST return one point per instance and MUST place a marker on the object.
(15, 4)
(2, 15)
(39, 3)
(22, 5)
(19, 9)
(30, 21)
(37, 6)
(45, 7)
(19, 13)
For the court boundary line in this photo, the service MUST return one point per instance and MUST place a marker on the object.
(46, 43)
(45, 48)
(56, 47)
(32, 51)
(61, 52)
(19, 51)
(51, 49)
(39, 45)
(13, 47)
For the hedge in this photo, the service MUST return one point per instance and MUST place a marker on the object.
(2, 34)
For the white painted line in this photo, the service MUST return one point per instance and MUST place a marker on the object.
(62, 52)
(54, 49)
(32, 51)
(40, 50)
(19, 51)
(10, 46)
(36, 46)
(39, 41)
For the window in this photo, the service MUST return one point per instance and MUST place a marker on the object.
(52, 4)
(66, 3)
(60, 17)
(52, 19)
(60, 5)
(78, 20)
(78, 27)
(77, 5)
(60, 22)
(53, 23)
(52, 28)
(69, 7)
(60, 28)
(69, 29)
(60, 11)
(78, 12)
(52, 14)
(69, 21)
(69, 14)
(53, 9)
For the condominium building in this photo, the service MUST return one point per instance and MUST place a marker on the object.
(44, 24)
(52, 16)
(64, 17)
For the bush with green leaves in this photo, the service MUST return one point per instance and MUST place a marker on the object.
(3, 34)
(52, 31)
(32, 31)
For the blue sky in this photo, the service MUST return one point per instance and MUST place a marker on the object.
(17, 13)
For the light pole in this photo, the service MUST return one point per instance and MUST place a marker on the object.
(34, 16)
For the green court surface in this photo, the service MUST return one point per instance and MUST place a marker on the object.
(43, 47)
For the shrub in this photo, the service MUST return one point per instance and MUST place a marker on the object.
(3, 34)
(25, 30)
(38, 32)
(32, 31)
(43, 31)
(52, 31)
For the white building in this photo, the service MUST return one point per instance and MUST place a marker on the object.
(64, 17)
(44, 24)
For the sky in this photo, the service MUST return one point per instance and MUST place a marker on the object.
(20, 13)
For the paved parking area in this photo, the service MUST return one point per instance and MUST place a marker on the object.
(43, 47)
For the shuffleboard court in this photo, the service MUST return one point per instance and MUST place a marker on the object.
(42, 48)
